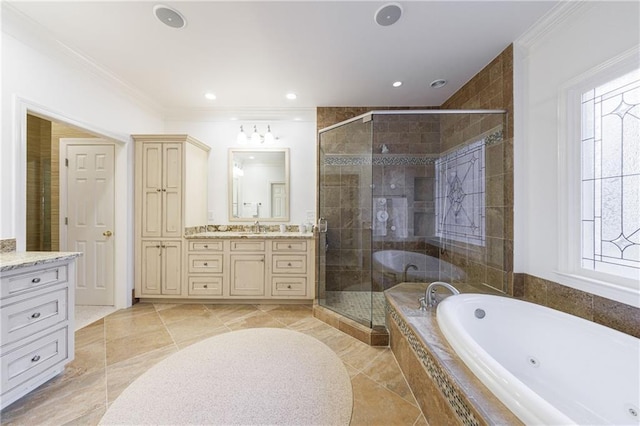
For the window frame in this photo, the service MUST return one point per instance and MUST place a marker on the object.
(569, 219)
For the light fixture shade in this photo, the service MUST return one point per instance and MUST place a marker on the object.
(255, 136)
(242, 137)
(268, 137)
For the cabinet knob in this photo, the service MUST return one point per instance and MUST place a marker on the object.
(36, 358)
(289, 264)
(206, 246)
(35, 315)
(164, 190)
(206, 264)
(35, 280)
(205, 286)
(289, 246)
(289, 286)
(158, 189)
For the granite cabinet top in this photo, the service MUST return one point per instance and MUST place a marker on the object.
(253, 235)
(23, 259)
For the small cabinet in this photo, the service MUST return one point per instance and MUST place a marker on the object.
(247, 274)
(161, 267)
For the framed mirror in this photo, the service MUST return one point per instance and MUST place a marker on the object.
(258, 185)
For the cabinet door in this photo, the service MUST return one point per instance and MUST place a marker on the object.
(151, 190)
(151, 267)
(172, 267)
(172, 190)
(247, 275)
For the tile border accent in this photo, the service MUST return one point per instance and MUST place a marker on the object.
(8, 245)
(450, 392)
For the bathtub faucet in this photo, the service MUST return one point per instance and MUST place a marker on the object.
(406, 268)
(429, 295)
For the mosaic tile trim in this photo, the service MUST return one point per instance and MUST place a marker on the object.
(8, 245)
(236, 228)
(441, 379)
(395, 159)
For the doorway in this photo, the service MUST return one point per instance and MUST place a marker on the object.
(49, 144)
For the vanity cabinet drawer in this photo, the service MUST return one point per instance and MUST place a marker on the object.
(247, 245)
(205, 263)
(288, 286)
(289, 264)
(205, 286)
(28, 316)
(288, 246)
(205, 245)
(36, 279)
(34, 358)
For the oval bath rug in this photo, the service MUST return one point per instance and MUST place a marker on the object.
(250, 377)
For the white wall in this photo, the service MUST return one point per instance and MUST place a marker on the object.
(298, 136)
(40, 76)
(546, 59)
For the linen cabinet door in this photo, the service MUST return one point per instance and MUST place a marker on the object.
(172, 190)
(172, 267)
(151, 184)
(151, 268)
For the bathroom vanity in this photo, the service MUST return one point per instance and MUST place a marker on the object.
(37, 321)
(247, 266)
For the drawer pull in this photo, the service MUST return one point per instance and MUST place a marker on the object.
(289, 286)
(35, 358)
(289, 246)
(205, 286)
(206, 246)
(289, 264)
(35, 315)
(206, 264)
(35, 280)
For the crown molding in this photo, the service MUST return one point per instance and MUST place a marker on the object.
(240, 114)
(25, 30)
(550, 21)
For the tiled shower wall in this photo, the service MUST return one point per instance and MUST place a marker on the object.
(43, 168)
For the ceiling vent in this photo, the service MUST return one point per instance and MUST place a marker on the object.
(168, 16)
(388, 14)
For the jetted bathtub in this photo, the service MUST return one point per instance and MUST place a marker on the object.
(546, 366)
(428, 268)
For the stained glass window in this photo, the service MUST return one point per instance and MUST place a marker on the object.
(460, 188)
(610, 147)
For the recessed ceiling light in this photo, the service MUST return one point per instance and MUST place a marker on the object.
(397, 83)
(291, 96)
(436, 84)
(388, 14)
(210, 96)
(169, 16)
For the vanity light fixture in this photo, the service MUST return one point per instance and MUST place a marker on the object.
(256, 138)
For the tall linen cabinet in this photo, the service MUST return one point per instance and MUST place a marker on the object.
(170, 195)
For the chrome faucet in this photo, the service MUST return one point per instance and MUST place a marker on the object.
(429, 299)
(406, 268)
(256, 227)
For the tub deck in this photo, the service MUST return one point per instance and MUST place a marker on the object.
(446, 389)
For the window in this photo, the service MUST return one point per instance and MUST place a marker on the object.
(610, 177)
(460, 188)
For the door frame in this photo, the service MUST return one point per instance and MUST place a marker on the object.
(63, 172)
(123, 228)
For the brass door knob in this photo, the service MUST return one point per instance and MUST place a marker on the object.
(107, 233)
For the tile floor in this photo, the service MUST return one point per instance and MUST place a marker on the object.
(114, 351)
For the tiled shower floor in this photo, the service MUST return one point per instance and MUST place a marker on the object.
(357, 304)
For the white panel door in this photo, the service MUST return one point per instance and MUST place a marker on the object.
(278, 199)
(90, 213)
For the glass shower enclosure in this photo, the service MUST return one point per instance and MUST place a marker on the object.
(408, 197)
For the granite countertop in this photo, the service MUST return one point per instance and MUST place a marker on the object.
(23, 259)
(404, 299)
(252, 235)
